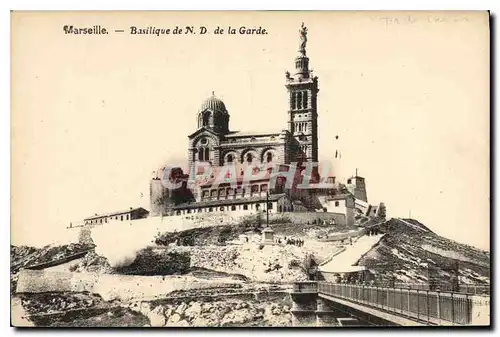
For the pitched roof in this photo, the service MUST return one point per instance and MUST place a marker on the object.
(225, 202)
(203, 129)
(97, 216)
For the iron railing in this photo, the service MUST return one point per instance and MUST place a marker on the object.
(423, 305)
(471, 289)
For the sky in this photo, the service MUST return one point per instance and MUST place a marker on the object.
(94, 115)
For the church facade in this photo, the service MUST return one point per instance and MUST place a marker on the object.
(215, 151)
(213, 142)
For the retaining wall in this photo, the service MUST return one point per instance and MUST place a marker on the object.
(309, 217)
(346, 235)
(110, 286)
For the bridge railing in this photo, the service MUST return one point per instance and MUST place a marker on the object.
(423, 305)
(471, 289)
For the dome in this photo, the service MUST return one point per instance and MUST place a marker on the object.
(213, 115)
(214, 104)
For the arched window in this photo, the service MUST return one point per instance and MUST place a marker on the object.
(299, 99)
(201, 155)
(230, 158)
(207, 154)
(206, 118)
(249, 157)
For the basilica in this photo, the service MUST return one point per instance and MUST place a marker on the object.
(214, 142)
(215, 150)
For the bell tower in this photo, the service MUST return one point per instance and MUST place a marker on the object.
(302, 108)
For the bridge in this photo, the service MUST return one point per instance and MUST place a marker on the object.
(334, 304)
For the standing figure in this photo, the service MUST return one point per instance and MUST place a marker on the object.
(303, 39)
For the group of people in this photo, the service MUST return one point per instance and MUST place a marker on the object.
(296, 242)
(290, 241)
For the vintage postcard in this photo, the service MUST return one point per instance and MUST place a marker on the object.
(250, 169)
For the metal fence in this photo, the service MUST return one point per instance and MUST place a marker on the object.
(423, 305)
(471, 289)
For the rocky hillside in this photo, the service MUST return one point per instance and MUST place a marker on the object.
(208, 308)
(408, 251)
(271, 264)
(265, 309)
(23, 256)
(411, 252)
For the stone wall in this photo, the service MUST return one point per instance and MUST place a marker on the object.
(346, 235)
(480, 311)
(200, 220)
(111, 286)
(301, 218)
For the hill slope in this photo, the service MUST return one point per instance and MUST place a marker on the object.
(409, 249)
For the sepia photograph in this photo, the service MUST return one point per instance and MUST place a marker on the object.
(250, 169)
